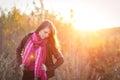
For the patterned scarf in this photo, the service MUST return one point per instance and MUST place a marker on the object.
(35, 52)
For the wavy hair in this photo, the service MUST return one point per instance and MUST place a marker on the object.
(53, 35)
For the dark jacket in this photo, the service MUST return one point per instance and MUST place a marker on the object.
(51, 51)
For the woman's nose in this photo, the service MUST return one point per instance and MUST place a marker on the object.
(47, 35)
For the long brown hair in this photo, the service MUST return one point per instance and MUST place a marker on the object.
(52, 39)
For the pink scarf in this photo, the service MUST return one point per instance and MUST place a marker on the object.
(35, 54)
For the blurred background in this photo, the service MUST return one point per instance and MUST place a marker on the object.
(88, 30)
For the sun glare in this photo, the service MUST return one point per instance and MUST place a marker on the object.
(86, 19)
(85, 16)
(89, 19)
(81, 25)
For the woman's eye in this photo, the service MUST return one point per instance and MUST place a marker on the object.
(45, 32)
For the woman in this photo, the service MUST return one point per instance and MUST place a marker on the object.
(39, 47)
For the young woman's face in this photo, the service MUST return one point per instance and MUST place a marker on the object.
(44, 33)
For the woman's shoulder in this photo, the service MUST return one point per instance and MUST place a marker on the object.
(28, 35)
(25, 38)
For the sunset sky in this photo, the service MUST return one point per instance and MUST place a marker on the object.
(88, 14)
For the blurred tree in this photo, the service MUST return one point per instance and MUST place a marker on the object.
(1, 34)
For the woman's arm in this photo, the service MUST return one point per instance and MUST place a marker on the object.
(58, 56)
(20, 48)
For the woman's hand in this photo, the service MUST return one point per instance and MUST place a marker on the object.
(22, 67)
(44, 67)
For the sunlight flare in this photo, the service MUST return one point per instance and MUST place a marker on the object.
(89, 19)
